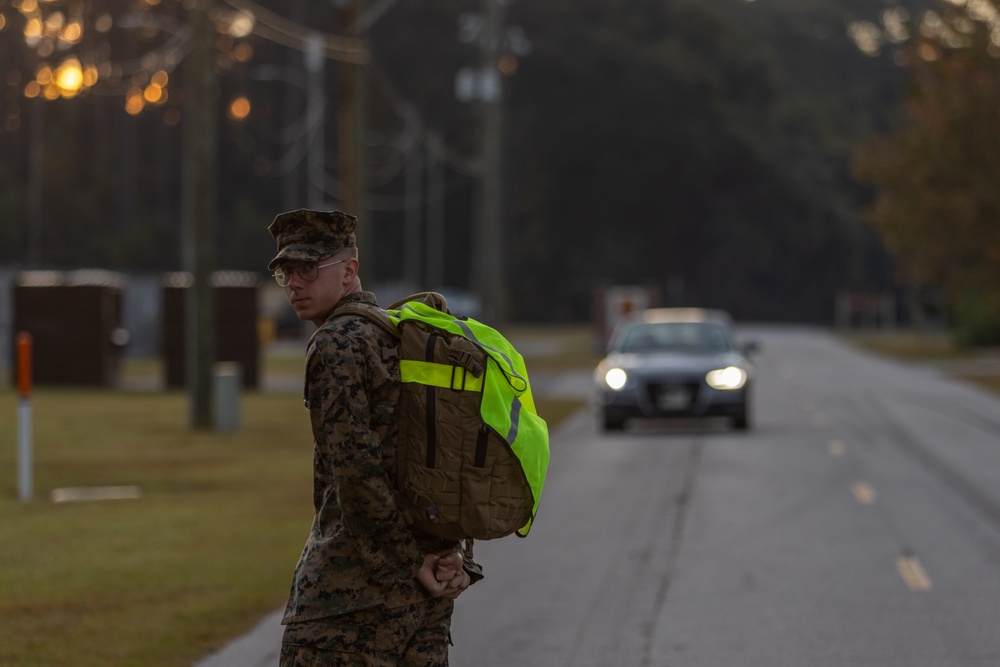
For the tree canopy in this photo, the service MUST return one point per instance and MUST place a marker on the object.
(701, 148)
(938, 203)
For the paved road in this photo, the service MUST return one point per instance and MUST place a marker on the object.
(858, 524)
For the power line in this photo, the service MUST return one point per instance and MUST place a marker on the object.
(278, 29)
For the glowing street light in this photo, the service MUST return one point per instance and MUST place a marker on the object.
(60, 30)
(69, 77)
(239, 108)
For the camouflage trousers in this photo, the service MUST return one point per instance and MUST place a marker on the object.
(416, 635)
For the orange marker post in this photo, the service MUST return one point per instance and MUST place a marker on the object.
(25, 473)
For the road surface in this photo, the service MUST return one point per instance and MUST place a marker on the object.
(856, 525)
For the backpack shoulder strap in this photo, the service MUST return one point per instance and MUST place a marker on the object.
(432, 299)
(375, 315)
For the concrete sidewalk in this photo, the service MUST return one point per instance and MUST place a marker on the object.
(257, 648)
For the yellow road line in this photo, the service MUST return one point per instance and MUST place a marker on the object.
(864, 493)
(913, 574)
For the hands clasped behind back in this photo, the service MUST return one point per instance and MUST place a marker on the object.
(443, 574)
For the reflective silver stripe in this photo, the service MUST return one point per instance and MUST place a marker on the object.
(515, 417)
(471, 336)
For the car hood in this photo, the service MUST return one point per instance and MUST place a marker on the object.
(653, 363)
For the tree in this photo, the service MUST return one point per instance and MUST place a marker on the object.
(672, 143)
(703, 142)
(938, 205)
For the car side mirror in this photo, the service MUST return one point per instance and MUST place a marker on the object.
(751, 347)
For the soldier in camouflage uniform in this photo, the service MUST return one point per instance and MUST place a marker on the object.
(367, 590)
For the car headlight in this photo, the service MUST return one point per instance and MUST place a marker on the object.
(730, 377)
(615, 378)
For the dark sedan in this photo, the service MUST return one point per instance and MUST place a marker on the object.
(675, 362)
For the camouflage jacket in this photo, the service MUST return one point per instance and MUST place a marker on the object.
(360, 552)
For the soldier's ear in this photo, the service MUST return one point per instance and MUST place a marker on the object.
(350, 270)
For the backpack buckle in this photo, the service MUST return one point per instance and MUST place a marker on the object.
(464, 359)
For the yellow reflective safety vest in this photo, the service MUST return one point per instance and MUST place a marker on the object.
(472, 452)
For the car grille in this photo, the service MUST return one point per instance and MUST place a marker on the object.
(673, 396)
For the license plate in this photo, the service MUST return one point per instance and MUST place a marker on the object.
(673, 398)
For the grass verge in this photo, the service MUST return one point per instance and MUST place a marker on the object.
(164, 579)
(908, 345)
(919, 347)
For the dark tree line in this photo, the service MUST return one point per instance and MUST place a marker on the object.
(704, 148)
(701, 148)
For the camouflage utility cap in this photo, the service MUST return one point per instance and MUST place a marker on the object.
(308, 236)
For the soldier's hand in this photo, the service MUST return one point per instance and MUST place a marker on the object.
(456, 585)
(442, 575)
(428, 578)
(449, 564)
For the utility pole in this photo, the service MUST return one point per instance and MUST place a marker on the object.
(352, 109)
(199, 213)
(293, 181)
(413, 178)
(489, 276)
(36, 176)
(434, 250)
(316, 113)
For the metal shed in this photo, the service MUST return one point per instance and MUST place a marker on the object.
(236, 322)
(75, 320)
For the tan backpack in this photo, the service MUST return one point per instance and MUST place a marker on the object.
(472, 453)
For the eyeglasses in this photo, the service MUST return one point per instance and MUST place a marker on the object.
(308, 271)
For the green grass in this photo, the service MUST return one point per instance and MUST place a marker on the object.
(925, 347)
(908, 345)
(556, 347)
(163, 580)
(992, 383)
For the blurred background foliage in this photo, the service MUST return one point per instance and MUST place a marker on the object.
(938, 206)
(727, 153)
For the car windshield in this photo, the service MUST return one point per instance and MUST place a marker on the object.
(683, 337)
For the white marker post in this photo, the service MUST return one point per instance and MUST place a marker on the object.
(24, 467)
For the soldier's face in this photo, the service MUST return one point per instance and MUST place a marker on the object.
(312, 300)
